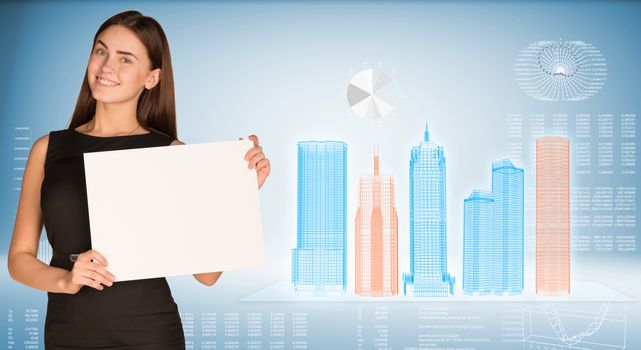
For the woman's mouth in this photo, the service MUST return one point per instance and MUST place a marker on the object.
(106, 82)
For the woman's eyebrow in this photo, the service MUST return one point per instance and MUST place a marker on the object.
(117, 51)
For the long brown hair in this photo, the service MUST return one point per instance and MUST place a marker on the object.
(157, 106)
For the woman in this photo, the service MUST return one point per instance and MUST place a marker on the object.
(126, 101)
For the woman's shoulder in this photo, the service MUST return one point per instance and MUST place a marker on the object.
(54, 134)
(43, 142)
(172, 140)
(55, 137)
(38, 152)
(40, 145)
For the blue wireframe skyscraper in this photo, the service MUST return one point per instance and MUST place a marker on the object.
(507, 187)
(493, 235)
(428, 226)
(480, 243)
(319, 259)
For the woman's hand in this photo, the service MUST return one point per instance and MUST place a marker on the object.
(257, 160)
(88, 270)
(208, 278)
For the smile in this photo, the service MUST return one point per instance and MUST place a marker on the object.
(106, 82)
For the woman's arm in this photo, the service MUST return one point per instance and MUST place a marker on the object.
(23, 265)
(207, 278)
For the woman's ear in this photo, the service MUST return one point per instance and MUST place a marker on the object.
(154, 78)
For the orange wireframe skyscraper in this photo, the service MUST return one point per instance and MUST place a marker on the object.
(552, 215)
(376, 235)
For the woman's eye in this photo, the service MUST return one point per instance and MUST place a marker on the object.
(100, 52)
(126, 60)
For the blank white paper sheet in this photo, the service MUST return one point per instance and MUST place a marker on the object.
(174, 210)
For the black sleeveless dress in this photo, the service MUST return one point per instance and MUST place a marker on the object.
(138, 314)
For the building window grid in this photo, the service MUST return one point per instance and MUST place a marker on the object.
(318, 262)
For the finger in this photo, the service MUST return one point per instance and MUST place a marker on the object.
(86, 281)
(89, 266)
(263, 165)
(255, 159)
(253, 151)
(96, 277)
(104, 273)
(263, 173)
(92, 255)
(254, 138)
(99, 257)
(91, 274)
(91, 283)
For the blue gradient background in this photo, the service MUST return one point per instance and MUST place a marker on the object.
(279, 70)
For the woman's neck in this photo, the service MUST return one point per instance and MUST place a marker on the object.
(112, 118)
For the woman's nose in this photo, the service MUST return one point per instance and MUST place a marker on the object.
(109, 65)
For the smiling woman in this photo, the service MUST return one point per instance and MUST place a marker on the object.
(126, 101)
(125, 64)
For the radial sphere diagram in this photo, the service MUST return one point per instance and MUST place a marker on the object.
(560, 70)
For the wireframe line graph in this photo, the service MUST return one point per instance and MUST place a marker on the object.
(558, 328)
(552, 314)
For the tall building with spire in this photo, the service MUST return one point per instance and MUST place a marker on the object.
(428, 274)
(319, 259)
(376, 234)
(552, 215)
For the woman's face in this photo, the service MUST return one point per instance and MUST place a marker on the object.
(119, 68)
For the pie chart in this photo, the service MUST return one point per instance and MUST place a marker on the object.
(363, 94)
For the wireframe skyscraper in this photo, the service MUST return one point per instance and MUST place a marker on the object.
(553, 215)
(507, 188)
(493, 234)
(428, 226)
(318, 261)
(376, 235)
(480, 244)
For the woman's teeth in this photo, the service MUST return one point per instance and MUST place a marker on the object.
(106, 82)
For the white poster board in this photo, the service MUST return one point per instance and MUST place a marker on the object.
(174, 210)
